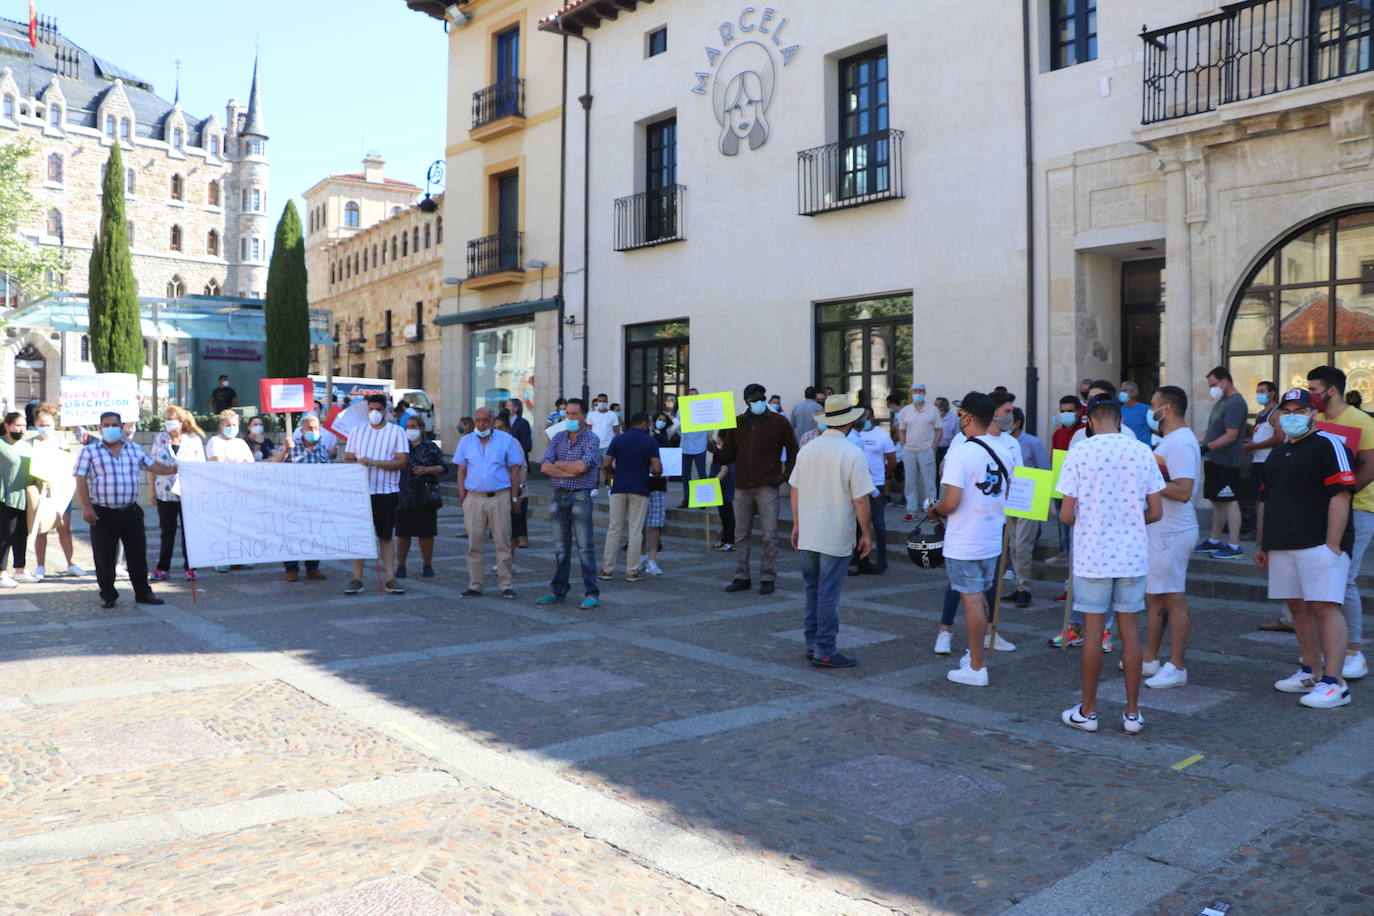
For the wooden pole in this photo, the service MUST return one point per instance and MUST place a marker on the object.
(1068, 597)
(997, 593)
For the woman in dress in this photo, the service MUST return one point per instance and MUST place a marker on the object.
(52, 449)
(179, 441)
(417, 509)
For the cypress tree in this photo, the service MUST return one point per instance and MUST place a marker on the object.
(116, 331)
(287, 306)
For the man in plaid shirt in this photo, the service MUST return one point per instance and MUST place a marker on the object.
(108, 473)
(310, 450)
(573, 460)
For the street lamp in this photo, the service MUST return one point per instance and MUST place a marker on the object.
(434, 178)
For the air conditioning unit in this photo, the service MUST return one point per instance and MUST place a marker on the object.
(356, 346)
(411, 333)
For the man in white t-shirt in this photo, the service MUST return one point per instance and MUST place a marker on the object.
(881, 455)
(604, 423)
(383, 449)
(1111, 485)
(1171, 538)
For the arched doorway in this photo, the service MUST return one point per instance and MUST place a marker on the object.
(1309, 302)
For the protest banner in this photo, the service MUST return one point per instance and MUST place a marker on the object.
(83, 398)
(1057, 464)
(283, 395)
(342, 423)
(704, 412)
(1029, 494)
(671, 458)
(703, 494)
(269, 513)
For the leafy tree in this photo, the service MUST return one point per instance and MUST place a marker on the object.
(116, 330)
(27, 264)
(287, 305)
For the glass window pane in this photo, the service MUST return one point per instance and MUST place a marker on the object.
(1253, 328)
(1265, 275)
(1293, 369)
(1249, 371)
(1354, 314)
(1304, 318)
(502, 361)
(1358, 366)
(1355, 246)
(1142, 338)
(1307, 259)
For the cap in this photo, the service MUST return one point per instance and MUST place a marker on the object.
(920, 385)
(1297, 394)
(977, 405)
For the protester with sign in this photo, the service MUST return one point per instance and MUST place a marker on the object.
(107, 477)
(223, 397)
(1025, 531)
(417, 508)
(382, 448)
(227, 446)
(52, 451)
(573, 460)
(14, 483)
(178, 443)
(725, 473)
(310, 450)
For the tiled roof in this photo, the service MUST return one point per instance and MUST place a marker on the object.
(577, 15)
(1307, 327)
(359, 176)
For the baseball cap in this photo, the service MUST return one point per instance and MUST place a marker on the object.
(916, 385)
(1297, 394)
(977, 405)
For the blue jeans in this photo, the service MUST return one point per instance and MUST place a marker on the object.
(824, 577)
(697, 461)
(571, 514)
(1353, 609)
(877, 559)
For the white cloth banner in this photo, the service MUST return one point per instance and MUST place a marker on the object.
(266, 512)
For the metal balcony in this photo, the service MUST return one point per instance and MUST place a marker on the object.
(383, 340)
(499, 100)
(851, 173)
(495, 253)
(650, 218)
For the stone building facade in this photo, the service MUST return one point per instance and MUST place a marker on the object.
(195, 188)
(342, 205)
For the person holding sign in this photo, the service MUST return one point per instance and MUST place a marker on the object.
(573, 461)
(107, 477)
(755, 447)
(381, 447)
(1111, 485)
(179, 441)
(831, 487)
(310, 450)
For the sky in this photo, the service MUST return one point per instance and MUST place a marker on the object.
(337, 78)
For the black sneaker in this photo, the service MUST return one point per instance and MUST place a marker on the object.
(767, 588)
(401, 571)
(739, 585)
(507, 593)
(427, 572)
(353, 587)
(834, 661)
(470, 593)
(1021, 598)
(149, 598)
(394, 588)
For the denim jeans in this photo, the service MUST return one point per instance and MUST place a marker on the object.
(697, 461)
(877, 559)
(1363, 523)
(824, 577)
(571, 515)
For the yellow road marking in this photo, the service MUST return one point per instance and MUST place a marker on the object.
(430, 745)
(1187, 762)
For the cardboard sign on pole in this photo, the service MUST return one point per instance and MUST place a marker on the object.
(704, 412)
(286, 395)
(704, 493)
(1057, 465)
(1029, 494)
(83, 398)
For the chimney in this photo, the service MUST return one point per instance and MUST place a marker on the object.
(372, 167)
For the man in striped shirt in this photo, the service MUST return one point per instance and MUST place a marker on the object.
(381, 447)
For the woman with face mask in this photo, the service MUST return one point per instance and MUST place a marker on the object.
(417, 508)
(227, 446)
(14, 500)
(311, 449)
(52, 450)
(259, 445)
(179, 441)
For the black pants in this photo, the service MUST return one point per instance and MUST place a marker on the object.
(113, 527)
(168, 516)
(519, 521)
(14, 535)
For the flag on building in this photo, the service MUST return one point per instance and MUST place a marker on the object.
(33, 26)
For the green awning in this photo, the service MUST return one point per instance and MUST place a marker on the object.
(184, 317)
(499, 312)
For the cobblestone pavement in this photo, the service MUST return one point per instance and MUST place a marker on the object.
(267, 747)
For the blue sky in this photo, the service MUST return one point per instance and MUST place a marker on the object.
(337, 77)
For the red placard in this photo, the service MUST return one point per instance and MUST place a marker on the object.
(1351, 434)
(286, 395)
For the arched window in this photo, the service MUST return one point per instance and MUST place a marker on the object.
(415, 242)
(176, 287)
(331, 272)
(55, 115)
(255, 198)
(212, 194)
(175, 241)
(55, 167)
(125, 129)
(85, 348)
(348, 268)
(1310, 302)
(214, 145)
(212, 288)
(438, 230)
(426, 235)
(55, 222)
(374, 256)
(110, 126)
(178, 188)
(212, 242)
(351, 215)
(177, 138)
(8, 109)
(129, 181)
(383, 251)
(405, 244)
(393, 248)
(355, 262)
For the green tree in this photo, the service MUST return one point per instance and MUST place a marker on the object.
(116, 330)
(26, 264)
(287, 306)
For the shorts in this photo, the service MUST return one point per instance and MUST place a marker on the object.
(418, 522)
(657, 516)
(1220, 484)
(1314, 574)
(384, 514)
(1169, 555)
(1124, 595)
(970, 577)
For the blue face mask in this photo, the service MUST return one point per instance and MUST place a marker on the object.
(1263, 398)
(868, 424)
(1123, 397)
(1295, 425)
(111, 434)
(572, 426)
(758, 407)
(660, 424)
(918, 398)
(482, 433)
(1152, 422)
(311, 435)
(1067, 418)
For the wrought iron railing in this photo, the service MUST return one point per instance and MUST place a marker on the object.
(1252, 49)
(853, 172)
(497, 101)
(494, 253)
(650, 218)
(383, 340)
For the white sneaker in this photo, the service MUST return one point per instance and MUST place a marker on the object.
(1073, 717)
(1002, 644)
(7, 581)
(24, 578)
(1147, 669)
(964, 674)
(654, 569)
(1168, 676)
(1299, 681)
(121, 572)
(1326, 696)
(1354, 666)
(39, 572)
(1132, 724)
(74, 570)
(942, 642)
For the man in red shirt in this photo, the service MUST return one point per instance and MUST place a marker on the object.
(1070, 420)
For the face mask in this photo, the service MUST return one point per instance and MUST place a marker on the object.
(1295, 425)
(1152, 421)
(256, 428)
(311, 435)
(230, 431)
(481, 433)
(44, 432)
(1067, 418)
(374, 417)
(868, 424)
(777, 408)
(562, 413)
(111, 434)
(918, 399)
(172, 426)
(602, 406)
(414, 434)
(572, 426)
(757, 407)
(1319, 401)
(660, 424)
(1123, 397)
(1215, 392)
(1004, 422)
(17, 436)
(1263, 398)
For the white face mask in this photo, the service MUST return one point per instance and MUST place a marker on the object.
(374, 416)
(45, 431)
(413, 435)
(1215, 392)
(256, 427)
(172, 426)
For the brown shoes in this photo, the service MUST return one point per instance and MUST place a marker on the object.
(293, 577)
(1275, 626)
(315, 574)
(522, 542)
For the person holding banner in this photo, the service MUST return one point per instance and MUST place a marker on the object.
(310, 450)
(107, 478)
(573, 460)
(227, 446)
(693, 447)
(51, 449)
(417, 509)
(382, 448)
(1111, 485)
(179, 441)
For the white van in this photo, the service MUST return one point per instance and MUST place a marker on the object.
(420, 400)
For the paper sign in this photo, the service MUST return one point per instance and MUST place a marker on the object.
(49, 463)
(672, 461)
(280, 395)
(352, 417)
(85, 397)
(554, 430)
(703, 412)
(1029, 494)
(269, 513)
(704, 493)
(1351, 434)
(1057, 463)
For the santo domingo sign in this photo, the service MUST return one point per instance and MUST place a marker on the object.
(745, 76)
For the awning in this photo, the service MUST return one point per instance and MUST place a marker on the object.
(499, 312)
(184, 317)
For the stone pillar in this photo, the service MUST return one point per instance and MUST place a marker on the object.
(1178, 308)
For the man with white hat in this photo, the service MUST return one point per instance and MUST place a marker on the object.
(918, 432)
(830, 488)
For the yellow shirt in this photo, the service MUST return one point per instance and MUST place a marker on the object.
(1353, 416)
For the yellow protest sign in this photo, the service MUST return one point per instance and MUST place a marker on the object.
(702, 412)
(1029, 494)
(704, 493)
(50, 463)
(1057, 465)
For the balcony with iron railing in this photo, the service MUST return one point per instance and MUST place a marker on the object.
(383, 340)
(1250, 50)
(650, 218)
(498, 109)
(495, 260)
(851, 173)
